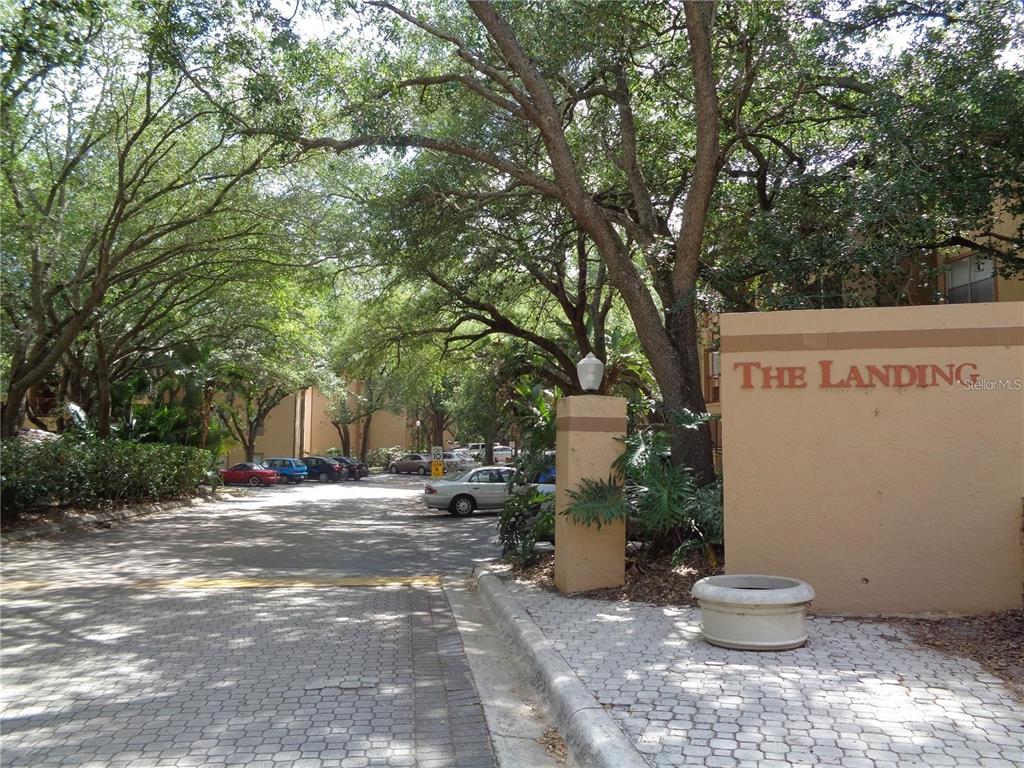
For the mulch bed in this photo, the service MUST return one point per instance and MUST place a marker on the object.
(58, 515)
(995, 641)
(654, 581)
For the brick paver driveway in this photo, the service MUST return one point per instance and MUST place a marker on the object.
(858, 695)
(240, 633)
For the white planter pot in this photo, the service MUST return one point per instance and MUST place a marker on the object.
(752, 612)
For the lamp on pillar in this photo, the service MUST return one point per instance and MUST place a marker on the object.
(590, 371)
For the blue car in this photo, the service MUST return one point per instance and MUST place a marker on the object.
(290, 470)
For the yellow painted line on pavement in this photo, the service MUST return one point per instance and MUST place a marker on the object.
(237, 583)
(23, 586)
(288, 583)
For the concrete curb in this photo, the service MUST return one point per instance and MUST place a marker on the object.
(89, 519)
(593, 737)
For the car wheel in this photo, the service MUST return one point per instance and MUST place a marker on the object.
(462, 506)
(323, 477)
(421, 471)
(254, 481)
(394, 469)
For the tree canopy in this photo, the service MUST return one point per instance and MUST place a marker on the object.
(553, 178)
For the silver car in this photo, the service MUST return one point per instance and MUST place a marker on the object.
(483, 488)
(457, 462)
(411, 462)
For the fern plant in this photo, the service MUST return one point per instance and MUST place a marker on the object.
(655, 497)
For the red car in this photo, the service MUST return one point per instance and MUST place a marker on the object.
(248, 473)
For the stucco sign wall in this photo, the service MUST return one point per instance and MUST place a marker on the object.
(878, 454)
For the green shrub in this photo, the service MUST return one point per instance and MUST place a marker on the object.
(660, 502)
(76, 472)
(519, 530)
(381, 457)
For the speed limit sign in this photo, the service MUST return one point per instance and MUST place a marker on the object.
(437, 461)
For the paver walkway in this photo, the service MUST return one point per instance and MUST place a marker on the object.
(203, 667)
(859, 695)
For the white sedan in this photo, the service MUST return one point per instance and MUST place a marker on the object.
(483, 488)
(458, 462)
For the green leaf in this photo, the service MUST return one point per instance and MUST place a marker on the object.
(597, 503)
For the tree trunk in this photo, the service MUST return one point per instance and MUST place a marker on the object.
(346, 439)
(13, 410)
(437, 420)
(204, 414)
(489, 449)
(690, 447)
(670, 343)
(364, 439)
(103, 403)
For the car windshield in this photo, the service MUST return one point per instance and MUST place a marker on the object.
(464, 477)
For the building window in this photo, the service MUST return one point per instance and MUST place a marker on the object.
(712, 377)
(971, 280)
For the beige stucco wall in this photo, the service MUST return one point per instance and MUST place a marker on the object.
(387, 429)
(1010, 288)
(323, 436)
(887, 499)
(301, 426)
(279, 436)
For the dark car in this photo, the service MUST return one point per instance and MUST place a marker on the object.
(324, 469)
(356, 469)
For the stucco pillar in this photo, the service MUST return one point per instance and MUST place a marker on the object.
(587, 557)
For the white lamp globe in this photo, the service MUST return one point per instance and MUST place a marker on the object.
(590, 371)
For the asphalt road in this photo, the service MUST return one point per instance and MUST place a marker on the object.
(249, 633)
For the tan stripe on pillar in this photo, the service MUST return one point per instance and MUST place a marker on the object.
(591, 423)
(999, 336)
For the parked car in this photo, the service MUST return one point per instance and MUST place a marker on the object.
(354, 467)
(323, 469)
(483, 488)
(418, 463)
(249, 473)
(458, 462)
(290, 470)
(472, 457)
(547, 474)
(542, 491)
(502, 454)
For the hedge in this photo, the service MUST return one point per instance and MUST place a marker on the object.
(89, 473)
